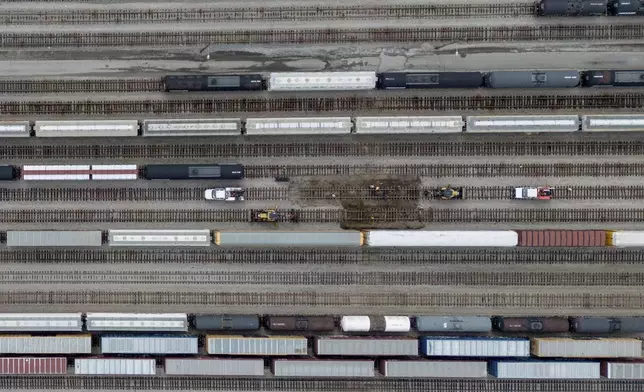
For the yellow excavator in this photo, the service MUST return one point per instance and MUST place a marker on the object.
(449, 193)
(272, 215)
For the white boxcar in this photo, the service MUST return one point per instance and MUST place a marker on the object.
(423, 369)
(56, 172)
(115, 366)
(505, 238)
(299, 126)
(366, 346)
(82, 128)
(41, 322)
(375, 324)
(170, 322)
(126, 237)
(625, 239)
(144, 344)
(409, 125)
(190, 127)
(450, 346)
(527, 124)
(316, 81)
(62, 344)
(587, 348)
(613, 123)
(258, 346)
(14, 128)
(545, 369)
(214, 367)
(115, 172)
(623, 370)
(322, 368)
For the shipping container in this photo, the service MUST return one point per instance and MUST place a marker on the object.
(230, 322)
(366, 346)
(288, 238)
(249, 82)
(423, 238)
(299, 126)
(439, 369)
(49, 238)
(8, 173)
(83, 128)
(452, 346)
(320, 81)
(422, 80)
(522, 124)
(300, 323)
(563, 238)
(532, 79)
(453, 324)
(55, 172)
(375, 324)
(115, 366)
(625, 370)
(149, 344)
(625, 239)
(612, 123)
(573, 7)
(586, 348)
(323, 368)
(268, 346)
(33, 365)
(213, 171)
(114, 172)
(41, 322)
(193, 127)
(532, 324)
(15, 128)
(152, 237)
(607, 324)
(214, 367)
(560, 370)
(409, 125)
(60, 344)
(171, 322)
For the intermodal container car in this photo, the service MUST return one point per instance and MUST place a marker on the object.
(532, 324)
(451, 346)
(323, 368)
(300, 323)
(375, 323)
(453, 324)
(563, 238)
(214, 367)
(257, 346)
(226, 322)
(33, 365)
(424, 80)
(440, 369)
(214, 171)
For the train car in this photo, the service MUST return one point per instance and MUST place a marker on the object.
(152, 237)
(8, 173)
(321, 81)
(531, 324)
(214, 367)
(59, 344)
(562, 238)
(366, 346)
(250, 82)
(115, 366)
(213, 171)
(453, 324)
(628, 7)
(33, 365)
(299, 126)
(573, 7)
(190, 127)
(79, 172)
(167, 322)
(300, 323)
(289, 238)
(83, 128)
(612, 123)
(256, 346)
(325, 368)
(41, 322)
(539, 370)
(522, 124)
(432, 369)
(532, 79)
(149, 344)
(424, 238)
(375, 324)
(623, 370)
(613, 78)
(409, 125)
(226, 322)
(625, 239)
(54, 238)
(453, 346)
(607, 324)
(425, 80)
(15, 129)
(586, 348)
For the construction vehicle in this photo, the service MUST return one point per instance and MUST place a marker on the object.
(272, 215)
(531, 193)
(449, 193)
(225, 194)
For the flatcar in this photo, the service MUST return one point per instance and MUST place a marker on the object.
(573, 7)
(612, 78)
(425, 80)
(532, 79)
(252, 82)
(194, 172)
(531, 324)
(300, 323)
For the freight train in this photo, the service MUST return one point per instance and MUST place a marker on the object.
(591, 7)
(352, 81)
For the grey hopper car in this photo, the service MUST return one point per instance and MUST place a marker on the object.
(607, 324)
(226, 322)
(453, 324)
(532, 79)
(573, 7)
(300, 323)
(531, 324)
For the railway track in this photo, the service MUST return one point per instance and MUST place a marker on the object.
(259, 14)
(44, 86)
(358, 103)
(562, 192)
(206, 383)
(208, 216)
(436, 35)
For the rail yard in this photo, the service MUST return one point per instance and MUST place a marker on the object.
(305, 196)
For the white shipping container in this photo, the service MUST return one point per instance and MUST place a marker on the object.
(115, 366)
(587, 348)
(614, 123)
(258, 346)
(528, 124)
(625, 239)
(190, 127)
(115, 172)
(299, 126)
(409, 125)
(423, 369)
(45, 322)
(323, 368)
(63, 344)
(623, 370)
(214, 367)
(375, 323)
(149, 345)
(545, 370)
(312, 81)
(506, 238)
(438, 346)
(82, 128)
(175, 322)
(14, 128)
(56, 172)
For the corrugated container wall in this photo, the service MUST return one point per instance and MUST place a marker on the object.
(422, 369)
(170, 322)
(475, 238)
(33, 365)
(240, 345)
(192, 127)
(545, 370)
(381, 346)
(41, 322)
(587, 348)
(115, 366)
(54, 238)
(214, 367)
(624, 239)
(623, 370)
(448, 346)
(322, 368)
(115, 344)
(291, 238)
(63, 344)
(564, 238)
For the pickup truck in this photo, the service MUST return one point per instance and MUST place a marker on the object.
(225, 194)
(538, 193)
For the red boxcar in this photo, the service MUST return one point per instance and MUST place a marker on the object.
(562, 237)
(33, 365)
